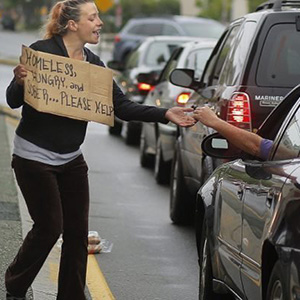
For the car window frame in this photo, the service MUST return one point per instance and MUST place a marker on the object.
(213, 59)
(176, 53)
(285, 126)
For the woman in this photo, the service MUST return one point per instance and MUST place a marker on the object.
(48, 163)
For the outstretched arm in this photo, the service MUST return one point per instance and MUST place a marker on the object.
(243, 139)
(177, 116)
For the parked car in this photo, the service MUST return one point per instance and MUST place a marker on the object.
(159, 140)
(137, 29)
(248, 228)
(150, 57)
(253, 66)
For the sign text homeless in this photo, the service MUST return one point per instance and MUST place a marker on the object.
(68, 87)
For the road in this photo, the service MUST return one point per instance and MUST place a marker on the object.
(151, 259)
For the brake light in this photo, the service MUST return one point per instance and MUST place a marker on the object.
(144, 86)
(117, 38)
(183, 98)
(238, 112)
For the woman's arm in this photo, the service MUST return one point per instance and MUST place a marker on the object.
(243, 139)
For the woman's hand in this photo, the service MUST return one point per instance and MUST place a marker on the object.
(20, 73)
(177, 116)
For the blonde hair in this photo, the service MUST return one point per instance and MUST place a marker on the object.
(60, 14)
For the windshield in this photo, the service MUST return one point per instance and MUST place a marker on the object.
(211, 30)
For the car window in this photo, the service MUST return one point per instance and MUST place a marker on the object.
(133, 60)
(235, 61)
(150, 29)
(279, 64)
(169, 30)
(171, 65)
(223, 54)
(196, 60)
(135, 29)
(289, 145)
(159, 52)
(211, 30)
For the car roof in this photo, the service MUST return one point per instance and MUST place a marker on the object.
(176, 38)
(176, 18)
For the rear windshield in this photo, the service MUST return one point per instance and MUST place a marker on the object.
(147, 29)
(159, 52)
(211, 30)
(279, 64)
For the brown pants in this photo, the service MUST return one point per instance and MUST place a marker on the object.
(57, 198)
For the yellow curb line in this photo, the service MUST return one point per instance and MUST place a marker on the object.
(9, 62)
(96, 282)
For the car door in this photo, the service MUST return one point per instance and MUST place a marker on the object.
(154, 97)
(228, 224)
(262, 190)
(192, 137)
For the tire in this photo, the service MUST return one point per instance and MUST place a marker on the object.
(181, 202)
(146, 160)
(116, 129)
(205, 264)
(162, 169)
(132, 134)
(277, 289)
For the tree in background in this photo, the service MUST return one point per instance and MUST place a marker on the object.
(221, 9)
(254, 3)
(215, 9)
(28, 12)
(141, 8)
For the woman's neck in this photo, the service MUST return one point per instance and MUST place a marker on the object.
(74, 47)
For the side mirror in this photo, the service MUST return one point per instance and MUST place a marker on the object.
(116, 65)
(149, 78)
(184, 78)
(217, 146)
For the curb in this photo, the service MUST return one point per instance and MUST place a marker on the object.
(6, 111)
(9, 62)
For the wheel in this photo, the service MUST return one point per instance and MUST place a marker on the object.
(162, 169)
(205, 264)
(132, 133)
(116, 129)
(277, 289)
(146, 160)
(181, 202)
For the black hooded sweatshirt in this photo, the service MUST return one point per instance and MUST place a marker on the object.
(62, 134)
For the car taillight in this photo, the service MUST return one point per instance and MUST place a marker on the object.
(117, 38)
(183, 98)
(238, 112)
(144, 86)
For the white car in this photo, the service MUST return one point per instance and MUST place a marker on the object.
(158, 140)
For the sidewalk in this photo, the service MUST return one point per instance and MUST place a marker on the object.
(10, 219)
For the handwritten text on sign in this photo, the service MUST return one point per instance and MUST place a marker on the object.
(68, 87)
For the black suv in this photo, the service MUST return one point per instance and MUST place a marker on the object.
(254, 65)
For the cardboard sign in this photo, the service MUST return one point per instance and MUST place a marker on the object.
(68, 87)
